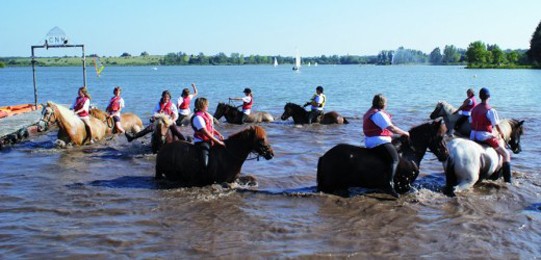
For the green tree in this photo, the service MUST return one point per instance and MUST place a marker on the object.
(2, 64)
(144, 53)
(534, 53)
(498, 57)
(450, 55)
(125, 54)
(512, 57)
(476, 53)
(435, 56)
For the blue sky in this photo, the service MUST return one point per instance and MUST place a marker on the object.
(277, 27)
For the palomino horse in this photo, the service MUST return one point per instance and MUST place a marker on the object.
(234, 116)
(71, 127)
(447, 111)
(162, 133)
(346, 165)
(470, 162)
(180, 161)
(130, 121)
(300, 116)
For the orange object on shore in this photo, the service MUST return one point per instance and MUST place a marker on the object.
(8, 111)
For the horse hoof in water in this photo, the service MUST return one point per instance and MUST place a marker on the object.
(60, 144)
(248, 180)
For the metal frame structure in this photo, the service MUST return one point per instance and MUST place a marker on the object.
(46, 46)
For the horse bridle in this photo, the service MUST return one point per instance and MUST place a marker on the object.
(48, 118)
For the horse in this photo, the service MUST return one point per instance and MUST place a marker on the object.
(470, 162)
(130, 121)
(180, 161)
(447, 111)
(345, 166)
(162, 133)
(234, 116)
(300, 116)
(71, 128)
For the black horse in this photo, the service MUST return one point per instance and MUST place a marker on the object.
(180, 161)
(300, 116)
(234, 116)
(346, 165)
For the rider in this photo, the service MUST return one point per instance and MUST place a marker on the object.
(317, 103)
(465, 109)
(247, 102)
(204, 132)
(167, 107)
(81, 107)
(115, 106)
(378, 129)
(183, 103)
(483, 120)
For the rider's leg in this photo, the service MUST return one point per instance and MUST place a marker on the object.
(506, 165)
(204, 149)
(141, 133)
(118, 125)
(176, 132)
(393, 159)
(86, 121)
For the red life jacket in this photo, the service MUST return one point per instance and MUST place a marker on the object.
(79, 103)
(470, 107)
(479, 119)
(185, 103)
(208, 125)
(166, 108)
(370, 128)
(114, 104)
(248, 105)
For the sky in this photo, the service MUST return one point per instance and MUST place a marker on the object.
(265, 27)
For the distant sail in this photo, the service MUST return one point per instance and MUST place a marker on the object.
(297, 62)
(98, 66)
(275, 62)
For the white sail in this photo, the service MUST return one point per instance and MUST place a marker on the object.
(275, 62)
(309, 64)
(297, 62)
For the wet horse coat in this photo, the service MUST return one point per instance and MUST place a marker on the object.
(130, 121)
(180, 161)
(72, 129)
(470, 162)
(300, 116)
(346, 165)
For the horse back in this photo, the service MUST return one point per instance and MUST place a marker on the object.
(333, 118)
(179, 161)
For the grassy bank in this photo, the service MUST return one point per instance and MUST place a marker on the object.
(77, 61)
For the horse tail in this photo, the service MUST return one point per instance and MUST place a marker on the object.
(450, 176)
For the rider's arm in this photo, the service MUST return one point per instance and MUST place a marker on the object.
(194, 90)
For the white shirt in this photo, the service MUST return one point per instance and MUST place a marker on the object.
(319, 100)
(382, 121)
(492, 115)
(186, 111)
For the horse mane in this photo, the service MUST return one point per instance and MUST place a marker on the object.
(426, 128)
(257, 131)
(447, 107)
(98, 113)
(295, 106)
(164, 118)
(65, 113)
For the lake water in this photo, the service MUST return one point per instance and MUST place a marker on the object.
(101, 200)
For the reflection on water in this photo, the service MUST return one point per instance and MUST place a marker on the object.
(102, 200)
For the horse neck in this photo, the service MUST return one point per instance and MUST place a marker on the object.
(238, 147)
(233, 115)
(448, 111)
(66, 122)
(506, 125)
(300, 115)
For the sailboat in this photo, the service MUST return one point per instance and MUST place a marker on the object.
(297, 62)
(275, 62)
(315, 64)
(309, 64)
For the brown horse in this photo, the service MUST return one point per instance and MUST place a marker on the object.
(130, 121)
(346, 165)
(300, 116)
(71, 127)
(162, 132)
(180, 161)
(234, 116)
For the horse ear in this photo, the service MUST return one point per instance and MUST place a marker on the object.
(520, 123)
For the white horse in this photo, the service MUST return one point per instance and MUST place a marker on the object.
(447, 111)
(470, 162)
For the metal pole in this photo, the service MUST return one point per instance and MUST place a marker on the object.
(34, 77)
(84, 65)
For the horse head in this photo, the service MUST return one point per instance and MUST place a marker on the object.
(430, 135)
(438, 111)
(292, 109)
(48, 117)
(514, 139)
(220, 110)
(261, 144)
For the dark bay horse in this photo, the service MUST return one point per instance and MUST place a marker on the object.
(346, 165)
(180, 161)
(300, 116)
(469, 162)
(234, 116)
